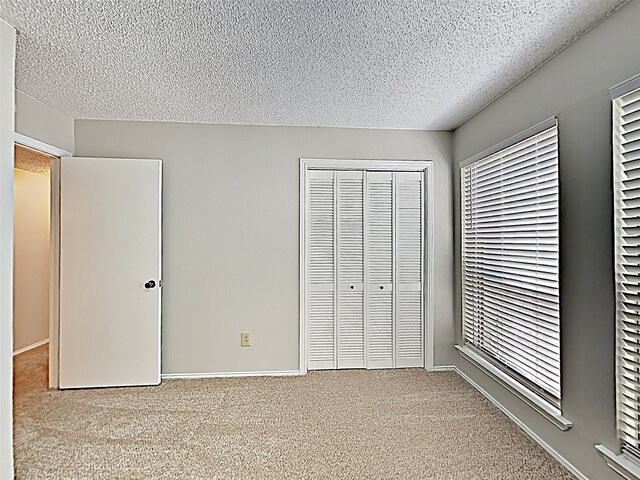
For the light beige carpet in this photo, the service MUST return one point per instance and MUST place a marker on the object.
(343, 424)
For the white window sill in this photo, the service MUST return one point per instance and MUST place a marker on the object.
(620, 463)
(547, 410)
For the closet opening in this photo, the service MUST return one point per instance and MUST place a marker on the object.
(366, 264)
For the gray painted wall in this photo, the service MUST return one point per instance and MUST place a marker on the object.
(574, 86)
(231, 240)
(38, 121)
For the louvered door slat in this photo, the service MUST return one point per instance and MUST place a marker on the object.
(379, 263)
(409, 329)
(351, 330)
(408, 259)
(350, 242)
(321, 330)
(321, 271)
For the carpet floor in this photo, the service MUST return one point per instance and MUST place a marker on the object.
(335, 424)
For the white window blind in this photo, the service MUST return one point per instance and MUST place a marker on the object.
(510, 259)
(626, 167)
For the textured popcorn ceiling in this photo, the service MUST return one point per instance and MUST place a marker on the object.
(31, 160)
(421, 64)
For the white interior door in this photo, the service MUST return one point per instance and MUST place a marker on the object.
(110, 272)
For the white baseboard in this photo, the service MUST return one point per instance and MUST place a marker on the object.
(30, 347)
(563, 461)
(278, 373)
(443, 368)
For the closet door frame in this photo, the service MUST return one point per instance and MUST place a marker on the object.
(424, 166)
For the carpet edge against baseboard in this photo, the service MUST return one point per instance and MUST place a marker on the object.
(443, 368)
(267, 373)
(275, 373)
(31, 347)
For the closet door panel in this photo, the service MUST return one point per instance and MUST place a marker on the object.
(351, 330)
(321, 330)
(409, 329)
(321, 271)
(350, 242)
(379, 270)
(408, 211)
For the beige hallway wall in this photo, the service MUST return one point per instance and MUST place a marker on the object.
(31, 259)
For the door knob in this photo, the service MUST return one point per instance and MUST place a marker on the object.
(352, 287)
(150, 284)
(381, 287)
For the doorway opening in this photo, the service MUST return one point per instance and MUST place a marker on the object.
(32, 253)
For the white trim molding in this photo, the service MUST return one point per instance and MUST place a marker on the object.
(443, 368)
(31, 347)
(538, 404)
(620, 463)
(54, 273)
(624, 87)
(275, 373)
(365, 164)
(425, 166)
(529, 132)
(40, 146)
(7, 124)
(534, 436)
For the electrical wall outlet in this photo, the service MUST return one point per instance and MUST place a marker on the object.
(245, 339)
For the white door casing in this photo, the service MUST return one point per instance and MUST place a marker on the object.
(7, 92)
(110, 246)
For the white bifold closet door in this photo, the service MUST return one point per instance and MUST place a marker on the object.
(364, 269)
